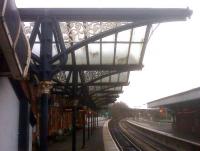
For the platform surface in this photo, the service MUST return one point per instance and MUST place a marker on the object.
(95, 143)
(109, 144)
(165, 128)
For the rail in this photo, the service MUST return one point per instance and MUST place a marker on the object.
(122, 140)
(151, 140)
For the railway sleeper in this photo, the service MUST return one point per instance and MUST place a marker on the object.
(170, 142)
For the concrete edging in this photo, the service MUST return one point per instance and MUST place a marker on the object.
(109, 143)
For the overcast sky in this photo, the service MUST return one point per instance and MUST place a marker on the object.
(172, 57)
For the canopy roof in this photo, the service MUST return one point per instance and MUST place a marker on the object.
(101, 46)
(186, 97)
(119, 48)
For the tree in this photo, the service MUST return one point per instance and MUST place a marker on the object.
(119, 110)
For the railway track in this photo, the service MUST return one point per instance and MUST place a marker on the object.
(141, 139)
(152, 140)
(121, 139)
(130, 136)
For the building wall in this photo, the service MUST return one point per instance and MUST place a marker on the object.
(9, 116)
(188, 122)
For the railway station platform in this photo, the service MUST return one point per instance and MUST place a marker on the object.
(165, 128)
(94, 143)
(109, 144)
(60, 67)
(100, 140)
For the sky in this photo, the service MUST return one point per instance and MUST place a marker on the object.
(172, 58)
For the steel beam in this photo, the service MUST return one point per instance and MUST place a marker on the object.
(93, 84)
(60, 41)
(34, 33)
(111, 92)
(108, 84)
(146, 39)
(105, 102)
(104, 76)
(106, 95)
(105, 98)
(102, 90)
(83, 77)
(104, 14)
(122, 68)
(108, 99)
(46, 49)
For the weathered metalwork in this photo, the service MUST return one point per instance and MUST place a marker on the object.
(74, 114)
(104, 14)
(75, 29)
(45, 76)
(84, 55)
(24, 116)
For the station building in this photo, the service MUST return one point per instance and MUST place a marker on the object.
(184, 108)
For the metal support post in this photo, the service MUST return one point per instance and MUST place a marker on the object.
(44, 122)
(83, 116)
(74, 128)
(23, 143)
(93, 121)
(24, 116)
(97, 119)
(91, 127)
(74, 109)
(88, 125)
(45, 77)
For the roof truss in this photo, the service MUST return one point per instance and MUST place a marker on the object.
(105, 77)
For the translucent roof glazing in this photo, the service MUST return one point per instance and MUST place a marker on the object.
(119, 48)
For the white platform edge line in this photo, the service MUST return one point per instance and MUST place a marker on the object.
(106, 140)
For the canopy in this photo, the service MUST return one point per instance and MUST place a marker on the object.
(93, 52)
